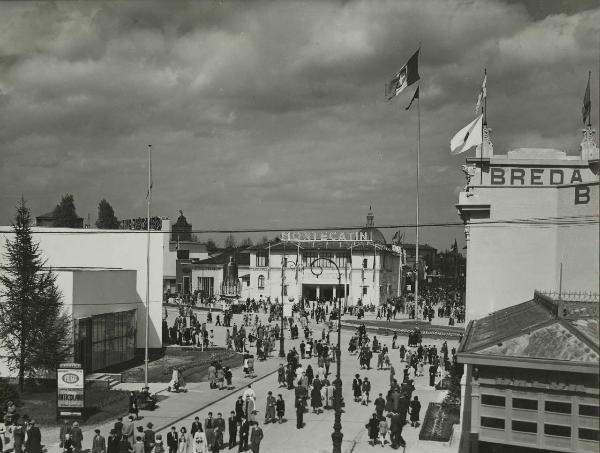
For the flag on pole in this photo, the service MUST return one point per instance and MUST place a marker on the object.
(415, 96)
(482, 94)
(467, 137)
(297, 260)
(587, 104)
(408, 74)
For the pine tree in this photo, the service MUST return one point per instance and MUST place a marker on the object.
(65, 214)
(34, 330)
(230, 242)
(106, 216)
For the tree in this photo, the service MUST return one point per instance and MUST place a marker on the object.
(247, 243)
(65, 214)
(264, 240)
(211, 246)
(106, 216)
(34, 330)
(230, 242)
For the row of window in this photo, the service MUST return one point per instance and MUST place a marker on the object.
(262, 260)
(532, 427)
(559, 407)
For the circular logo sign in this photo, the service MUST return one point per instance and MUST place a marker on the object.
(70, 378)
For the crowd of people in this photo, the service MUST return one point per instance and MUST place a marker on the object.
(25, 434)
(399, 401)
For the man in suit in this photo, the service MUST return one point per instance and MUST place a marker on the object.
(119, 427)
(33, 444)
(255, 438)
(396, 425)
(173, 440)
(112, 443)
(149, 438)
(232, 429)
(196, 426)
(244, 432)
(98, 443)
(209, 430)
(219, 425)
(239, 409)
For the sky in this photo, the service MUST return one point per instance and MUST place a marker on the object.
(272, 114)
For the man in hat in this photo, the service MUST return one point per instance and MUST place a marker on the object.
(255, 438)
(33, 444)
(64, 430)
(112, 443)
(149, 438)
(98, 443)
(119, 427)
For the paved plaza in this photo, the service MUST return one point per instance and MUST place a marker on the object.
(180, 409)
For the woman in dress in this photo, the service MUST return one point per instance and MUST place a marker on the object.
(200, 444)
(315, 399)
(415, 409)
(184, 441)
(280, 408)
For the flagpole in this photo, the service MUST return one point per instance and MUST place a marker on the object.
(417, 214)
(148, 199)
(483, 124)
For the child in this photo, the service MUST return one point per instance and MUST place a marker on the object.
(383, 429)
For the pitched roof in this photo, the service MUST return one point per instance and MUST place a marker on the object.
(538, 330)
(242, 259)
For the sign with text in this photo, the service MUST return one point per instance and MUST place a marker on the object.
(524, 176)
(337, 236)
(70, 383)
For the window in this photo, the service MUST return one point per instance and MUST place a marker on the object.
(285, 287)
(364, 263)
(490, 422)
(262, 259)
(588, 410)
(261, 282)
(285, 261)
(589, 434)
(558, 407)
(524, 427)
(206, 285)
(523, 403)
(557, 430)
(493, 400)
(341, 260)
(364, 290)
(308, 258)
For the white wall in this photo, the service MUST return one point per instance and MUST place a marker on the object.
(119, 249)
(506, 262)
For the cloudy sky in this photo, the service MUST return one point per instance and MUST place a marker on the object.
(272, 114)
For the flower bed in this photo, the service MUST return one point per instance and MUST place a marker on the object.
(439, 421)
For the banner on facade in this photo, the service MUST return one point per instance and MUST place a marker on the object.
(337, 236)
(70, 386)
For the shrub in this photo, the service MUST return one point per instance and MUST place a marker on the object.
(8, 393)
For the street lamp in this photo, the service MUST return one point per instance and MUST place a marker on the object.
(336, 435)
(281, 344)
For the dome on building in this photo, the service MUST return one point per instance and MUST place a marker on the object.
(370, 229)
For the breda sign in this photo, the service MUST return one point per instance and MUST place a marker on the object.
(70, 380)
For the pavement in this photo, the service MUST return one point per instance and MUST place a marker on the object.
(181, 408)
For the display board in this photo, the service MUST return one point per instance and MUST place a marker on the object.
(70, 390)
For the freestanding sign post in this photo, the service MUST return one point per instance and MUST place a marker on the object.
(70, 390)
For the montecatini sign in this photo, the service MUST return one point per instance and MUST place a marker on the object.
(313, 236)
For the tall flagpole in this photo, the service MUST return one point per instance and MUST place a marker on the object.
(148, 199)
(417, 222)
(483, 125)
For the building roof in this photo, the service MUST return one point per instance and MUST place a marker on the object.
(421, 247)
(544, 328)
(242, 258)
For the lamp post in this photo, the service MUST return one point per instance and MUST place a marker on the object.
(281, 344)
(336, 435)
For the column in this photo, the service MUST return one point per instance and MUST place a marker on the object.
(318, 292)
(334, 291)
(475, 402)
